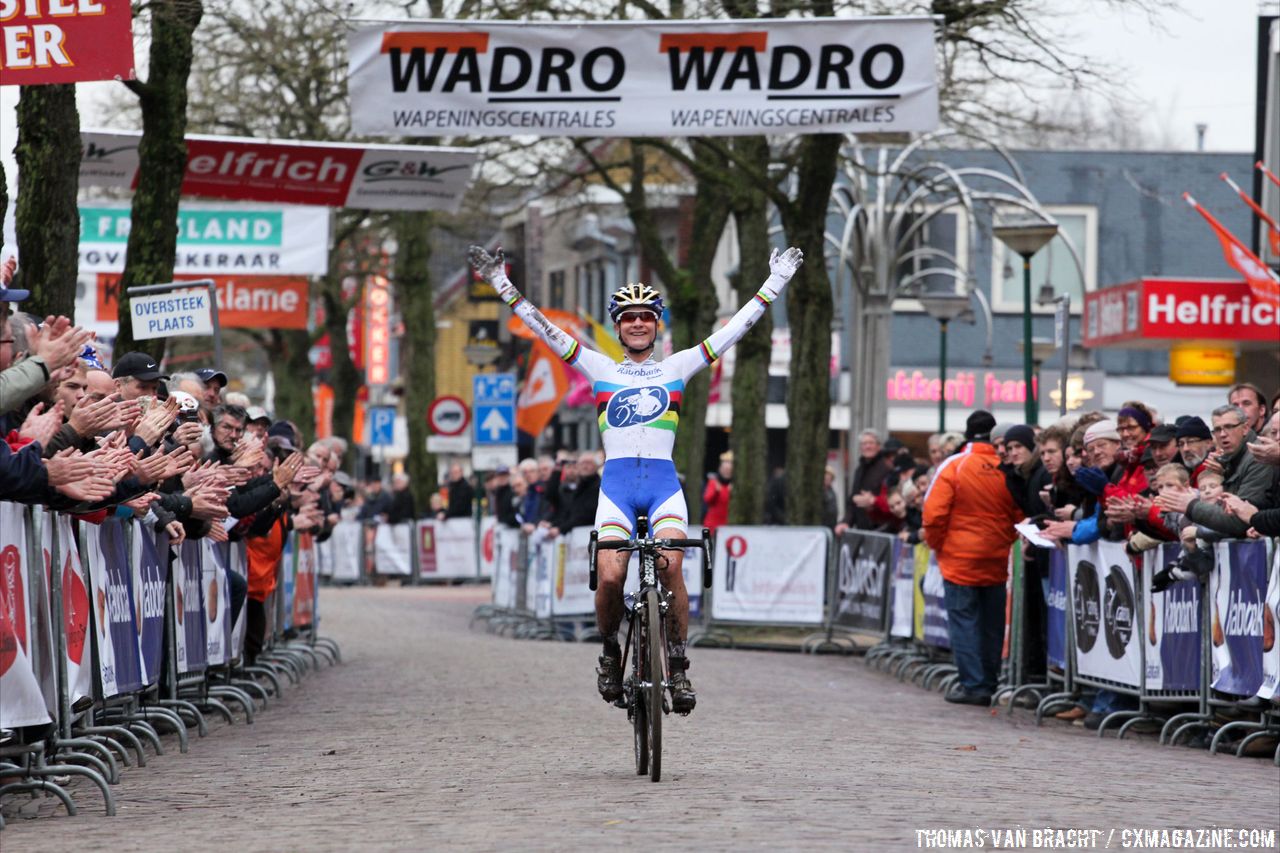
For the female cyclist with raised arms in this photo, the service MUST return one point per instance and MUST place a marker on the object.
(638, 408)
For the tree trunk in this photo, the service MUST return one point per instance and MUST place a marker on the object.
(693, 311)
(749, 438)
(809, 312)
(292, 371)
(418, 346)
(162, 155)
(48, 220)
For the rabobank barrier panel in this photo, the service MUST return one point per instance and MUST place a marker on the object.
(1238, 592)
(1172, 627)
(770, 575)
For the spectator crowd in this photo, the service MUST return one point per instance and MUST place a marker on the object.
(178, 452)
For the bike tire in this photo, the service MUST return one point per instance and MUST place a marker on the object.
(654, 675)
(638, 716)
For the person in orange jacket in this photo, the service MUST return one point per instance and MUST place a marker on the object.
(717, 493)
(968, 522)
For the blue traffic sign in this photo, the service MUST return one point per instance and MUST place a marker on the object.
(498, 388)
(382, 426)
(494, 408)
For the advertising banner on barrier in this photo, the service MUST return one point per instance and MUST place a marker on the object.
(239, 565)
(446, 549)
(217, 601)
(932, 602)
(488, 530)
(538, 583)
(506, 573)
(75, 607)
(1172, 630)
(67, 42)
(570, 594)
(21, 701)
(1107, 645)
(288, 581)
(676, 78)
(345, 551)
(391, 544)
(192, 648)
(304, 584)
(862, 582)
(1056, 617)
(1270, 620)
(902, 592)
(148, 595)
(1238, 587)
(329, 174)
(770, 574)
(115, 614)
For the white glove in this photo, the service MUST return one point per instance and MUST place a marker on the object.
(782, 266)
(493, 269)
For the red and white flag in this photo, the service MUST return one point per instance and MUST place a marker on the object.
(1273, 230)
(1262, 281)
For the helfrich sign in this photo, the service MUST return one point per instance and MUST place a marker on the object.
(377, 177)
(1152, 312)
(679, 78)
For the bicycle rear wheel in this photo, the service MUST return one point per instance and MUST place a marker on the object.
(653, 673)
(639, 720)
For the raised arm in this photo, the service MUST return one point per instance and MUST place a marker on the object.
(493, 269)
(782, 266)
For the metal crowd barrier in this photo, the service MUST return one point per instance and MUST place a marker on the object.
(109, 637)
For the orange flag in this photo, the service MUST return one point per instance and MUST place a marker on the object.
(1262, 281)
(545, 385)
(1273, 230)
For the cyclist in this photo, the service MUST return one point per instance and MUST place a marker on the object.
(638, 409)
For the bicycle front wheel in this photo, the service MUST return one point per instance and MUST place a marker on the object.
(639, 719)
(654, 675)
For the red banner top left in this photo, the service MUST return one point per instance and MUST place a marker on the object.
(65, 41)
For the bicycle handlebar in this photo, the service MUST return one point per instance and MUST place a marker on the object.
(636, 545)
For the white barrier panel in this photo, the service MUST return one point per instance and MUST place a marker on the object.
(40, 594)
(75, 609)
(1270, 621)
(21, 701)
(344, 548)
(506, 574)
(446, 549)
(770, 574)
(902, 593)
(1107, 642)
(1238, 599)
(391, 544)
(538, 584)
(570, 593)
(932, 604)
(487, 555)
(217, 600)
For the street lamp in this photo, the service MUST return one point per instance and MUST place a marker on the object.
(1041, 350)
(943, 307)
(1061, 335)
(1025, 238)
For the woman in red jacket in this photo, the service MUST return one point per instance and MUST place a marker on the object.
(717, 493)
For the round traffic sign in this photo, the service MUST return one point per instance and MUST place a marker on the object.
(448, 416)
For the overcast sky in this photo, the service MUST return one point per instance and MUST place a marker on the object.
(1197, 65)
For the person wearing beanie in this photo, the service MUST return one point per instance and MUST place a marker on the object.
(1027, 479)
(968, 523)
(1195, 443)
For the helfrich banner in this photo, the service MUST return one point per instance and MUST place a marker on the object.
(678, 78)
(770, 574)
(329, 174)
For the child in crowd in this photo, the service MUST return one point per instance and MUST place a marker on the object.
(1156, 525)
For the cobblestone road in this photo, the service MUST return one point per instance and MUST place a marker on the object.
(433, 736)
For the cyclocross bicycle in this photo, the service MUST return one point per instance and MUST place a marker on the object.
(644, 690)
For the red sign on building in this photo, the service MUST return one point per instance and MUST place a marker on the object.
(65, 41)
(1151, 312)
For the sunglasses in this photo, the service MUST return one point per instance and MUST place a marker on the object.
(633, 316)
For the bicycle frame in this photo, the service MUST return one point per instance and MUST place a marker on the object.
(644, 690)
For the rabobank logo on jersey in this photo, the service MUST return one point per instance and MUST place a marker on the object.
(637, 406)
